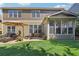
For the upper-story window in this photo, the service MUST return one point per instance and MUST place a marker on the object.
(14, 13)
(10, 13)
(36, 13)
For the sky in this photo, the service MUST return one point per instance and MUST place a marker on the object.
(40, 5)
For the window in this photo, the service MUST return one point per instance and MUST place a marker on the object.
(11, 29)
(70, 27)
(31, 28)
(52, 30)
(19, 13)
(52, 23)
(14, 13)
(58, 27)
(36, 13)
(64, 30)
(39, 29)
(64, 27)
(52, 27)
(70, 30)
(8, 29)
(35, 28)
(10, 13)
(33, 13)
(58, 30)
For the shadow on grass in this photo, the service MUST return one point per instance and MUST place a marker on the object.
(23, 50)
(28, 50)
(69, 43)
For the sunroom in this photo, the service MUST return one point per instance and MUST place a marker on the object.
(60, 25)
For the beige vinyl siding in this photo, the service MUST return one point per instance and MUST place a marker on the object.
(27, 15)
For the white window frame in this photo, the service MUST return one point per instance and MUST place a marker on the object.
(34, 28)
(11, 29)
(13, 13)
(62, 28)
(65, 26)
(56, 28)
(35, 12)
(72, 28)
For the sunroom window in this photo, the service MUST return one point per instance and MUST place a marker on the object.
(52, 27)
(58, 27)
(70, 27)
(64, 27)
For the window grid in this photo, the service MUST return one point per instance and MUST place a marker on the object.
(34, 28)
(11, 29)
(36, 13)
(14, 13)
(63, 27)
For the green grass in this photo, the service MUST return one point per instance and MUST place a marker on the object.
(41, 48)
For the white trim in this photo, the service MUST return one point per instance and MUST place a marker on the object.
(60, 12)
(48, 31)
(61, 26)
(55, 27)
(74, 29)
(17, 12)
(55, 13)
(67, 30)
(35, 13)
(11, 29)
(33, 28)
(37, 28)
(61, 29)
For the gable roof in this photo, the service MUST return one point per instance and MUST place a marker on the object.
(65, 13)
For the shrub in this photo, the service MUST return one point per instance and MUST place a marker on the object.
(19, 38)
(77, 30)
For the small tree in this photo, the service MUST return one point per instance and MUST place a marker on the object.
(77, 27)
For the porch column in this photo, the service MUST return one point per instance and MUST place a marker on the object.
(55, 27)
(48, 31)
(23, 30)
(61, 26)
(74, 29)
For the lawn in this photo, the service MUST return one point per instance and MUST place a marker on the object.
(41, 48)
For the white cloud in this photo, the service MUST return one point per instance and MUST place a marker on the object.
(58, 6)
(66, 6)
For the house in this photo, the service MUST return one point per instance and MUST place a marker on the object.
(53, 23)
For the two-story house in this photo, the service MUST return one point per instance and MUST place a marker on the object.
(52, 22)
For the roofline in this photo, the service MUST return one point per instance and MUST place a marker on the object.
(32, 8)
(55, 13)
(61, 12)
